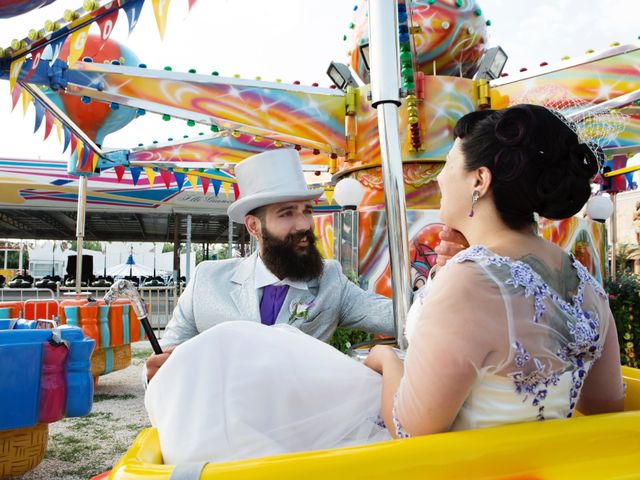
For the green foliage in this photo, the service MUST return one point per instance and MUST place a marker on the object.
(624, 299)
(87, 245)
(167, 247)
(343, 338)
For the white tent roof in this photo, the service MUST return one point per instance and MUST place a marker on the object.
(123, 269)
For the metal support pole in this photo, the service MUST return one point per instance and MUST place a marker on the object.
(82, 208)
(176, 253)
(230, 239)
(188, 266)
(614, 236)
(385, 94)
(20, 270)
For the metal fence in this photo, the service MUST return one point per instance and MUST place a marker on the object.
(161, 300)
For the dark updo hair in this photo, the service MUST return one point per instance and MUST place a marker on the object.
(536, 162)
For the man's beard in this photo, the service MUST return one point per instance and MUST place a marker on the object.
(287, 260)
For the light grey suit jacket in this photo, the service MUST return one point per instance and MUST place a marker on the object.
(224, 290)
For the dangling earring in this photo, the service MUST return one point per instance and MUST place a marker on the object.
(475, 196)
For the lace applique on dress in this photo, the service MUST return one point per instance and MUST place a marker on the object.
(532, 379)
(400, 433)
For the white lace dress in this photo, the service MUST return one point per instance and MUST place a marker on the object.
(242, 390)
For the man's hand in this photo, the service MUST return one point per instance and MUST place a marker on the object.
(154, 362)
(451, 242)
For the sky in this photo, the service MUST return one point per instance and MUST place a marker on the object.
(296, 40)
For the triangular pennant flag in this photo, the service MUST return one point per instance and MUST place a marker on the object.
(205, 184)
(39, 116)
(160, 9)
(119, 172)
(135, 174)
(36, 55)
(14, 72)
(58, 126)
(166, 176)
(106, 25)
(329, 196)
(15, 95)
(77, 44)
(26, 98)
(94, 161)
(236, 191)
(48, 123)
(193, 180)
(151, 174)
(216, 186)
(191, 4)
(179, 179)
(225, 187)
(79, 155)
(85, 164)
(67, 138)
(56, 48)
(74, 143)
(133, 9)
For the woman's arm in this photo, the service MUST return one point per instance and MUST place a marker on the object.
(603, 390)
(384, 360)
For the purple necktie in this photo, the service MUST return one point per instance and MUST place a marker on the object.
(272, 299)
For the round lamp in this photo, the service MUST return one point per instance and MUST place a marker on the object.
(348, 193)
(599, 208)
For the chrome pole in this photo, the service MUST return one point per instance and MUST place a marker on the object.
(82, 208)
(385, 96)
(188, 265)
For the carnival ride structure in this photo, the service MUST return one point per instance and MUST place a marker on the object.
(422, 59)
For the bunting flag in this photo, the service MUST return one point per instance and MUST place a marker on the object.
(39, 116)
(94, 161)
(74, 144)
(135, 174)
(329, 196)
(106, 25)
(48, 123)
(119, 169)
(179, 179)
(166, 176)
(236, 191)
(58, 126)
(191, 4)
(205, 184)
(77, 44)
(193, 180)
(79, 154)
(14, 72)
(26, 98)
(56, 48)
(15, 95)
(225, 187)
(67, 138)
(160, 8)
(151, 174)
(216, 186)
(132, 10)
(36, 55)
(85, 164)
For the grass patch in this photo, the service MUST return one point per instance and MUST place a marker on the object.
(141, 354)
(100, 397)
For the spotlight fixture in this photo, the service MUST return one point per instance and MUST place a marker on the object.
(492, 64)
(341, 76)
(364, 53)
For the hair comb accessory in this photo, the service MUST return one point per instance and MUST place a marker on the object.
(596, 125)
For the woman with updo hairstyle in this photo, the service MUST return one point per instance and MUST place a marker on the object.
(512, 329)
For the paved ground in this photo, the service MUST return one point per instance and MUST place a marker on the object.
(80, 448)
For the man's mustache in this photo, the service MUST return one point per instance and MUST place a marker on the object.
(293, 238)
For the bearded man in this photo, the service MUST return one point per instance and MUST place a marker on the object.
(285, 280)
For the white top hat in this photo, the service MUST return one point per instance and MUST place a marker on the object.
(270, 177)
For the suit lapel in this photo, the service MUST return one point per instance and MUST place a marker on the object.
(243, 291)
(294, 296)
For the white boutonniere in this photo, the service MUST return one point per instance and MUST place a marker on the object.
(299, 310)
